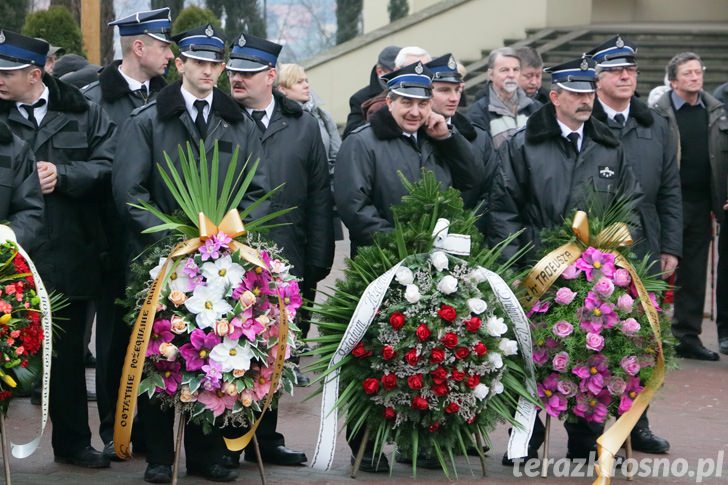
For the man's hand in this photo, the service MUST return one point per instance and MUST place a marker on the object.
(48, 176)
(436, 127)
(668, 263)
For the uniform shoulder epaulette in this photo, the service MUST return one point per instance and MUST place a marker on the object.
(89, 87)
(141, 109)
(360, 128)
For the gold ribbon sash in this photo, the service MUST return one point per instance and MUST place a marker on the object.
(547, 271)
(136, 352)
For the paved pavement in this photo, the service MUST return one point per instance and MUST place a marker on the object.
(690, 412)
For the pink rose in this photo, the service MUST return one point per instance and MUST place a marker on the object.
(564, 296)
(571, 272)
(567, 388)
(604, 287)
(622, 278)
(616, 386)
(560, 362)
(630, 326)
(630, 365)
(562, 328)
(625, 302)
(594, 341)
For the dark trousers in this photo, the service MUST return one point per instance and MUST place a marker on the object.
(159, 437)
(268, 437)
(582, 436)
(721, 292)
(68, 405)
(112, 339)
(691, 273)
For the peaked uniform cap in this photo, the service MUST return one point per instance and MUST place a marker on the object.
(445, 69)
(413, 81)
(18, 51)
(578, 75)
(616, 52)
(203, 43)
(155, 23)
(252, 54)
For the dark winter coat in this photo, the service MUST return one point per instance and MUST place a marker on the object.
(651, 151)
(21, 201)
(717, 145)
(355, 119)
(78, 138)
(366, 182)
(294, 155)
(160, 127)
(542, 180)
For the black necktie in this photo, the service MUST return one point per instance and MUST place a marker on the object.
(29, 108)
(258, 118)
(200, 119)
(574, 139)
(619, 118)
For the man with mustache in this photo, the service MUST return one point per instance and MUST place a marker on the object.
(700, 124)
(651, 150)
(193, 111)
(504, 107)
(562, 158)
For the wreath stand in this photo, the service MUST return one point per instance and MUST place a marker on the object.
(544, 462)
(4, 445)
(360, 453)
(177, 451)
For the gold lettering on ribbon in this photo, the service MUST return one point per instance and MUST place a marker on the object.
(232, 226)
(547, 271)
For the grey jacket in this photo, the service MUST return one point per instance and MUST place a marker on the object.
(717, 145)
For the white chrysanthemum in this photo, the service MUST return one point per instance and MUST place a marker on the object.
(481, 391)
(495, 360)
(404, 276)
(223, 270)
(412, 294)
(231, 356)
(477, 275)
(448, 285)
(439, 260)
(495, 326)
(477, 305)
(508, 347)
(208, 304)
(496, 387)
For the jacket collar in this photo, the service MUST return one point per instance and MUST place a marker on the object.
(287, 107)
(170, 104)
(61, 97)
(385, 128)
(114, 86)
(637, 110)
(6, 136)
(542, 127)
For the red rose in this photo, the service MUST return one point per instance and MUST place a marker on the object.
(388, 352)
(439, 375)
(480, 349)
(457, 375)
(415, 382)
(419, 402)
(462, 352)
(397, 320)
(437, 355)
(451, 408)
(473, 381)
(449, 340)
(371, 385)
(411, 357)
(434, 427)
(360, 351)
(447, 313)
(389, 413)
(422, 332)
(440, 389)
(389, 381)
(473, 325)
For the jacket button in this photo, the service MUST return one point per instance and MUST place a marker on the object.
(224, 125)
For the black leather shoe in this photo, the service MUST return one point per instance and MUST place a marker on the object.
(278, 455)
(87, 458)
(373, 464)
(110, 453)
(301, 379)
(212, 472)
(647, 442)
(423, 461)
(532, 455)
(695, 350)
(158, 473)
(723, 344)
